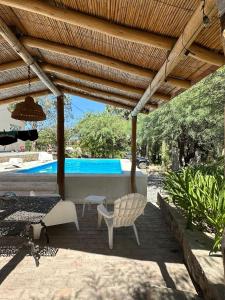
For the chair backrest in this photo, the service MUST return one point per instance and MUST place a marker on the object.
(127, 209)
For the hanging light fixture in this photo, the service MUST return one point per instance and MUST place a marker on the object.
(28, 110)
(206, 20)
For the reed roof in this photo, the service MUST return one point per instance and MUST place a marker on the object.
(164, 18)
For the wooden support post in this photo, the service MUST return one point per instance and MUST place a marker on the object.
(60, 147)
(133, 152)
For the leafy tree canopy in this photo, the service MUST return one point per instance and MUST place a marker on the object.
(47, 137)
(192, 121)
(103, 134)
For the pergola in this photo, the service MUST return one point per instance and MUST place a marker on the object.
(132, 54)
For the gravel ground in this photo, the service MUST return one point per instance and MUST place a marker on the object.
(155, 179)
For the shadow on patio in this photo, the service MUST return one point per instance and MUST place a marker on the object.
(87, 268)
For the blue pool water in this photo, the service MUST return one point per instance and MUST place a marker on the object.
(80, 166)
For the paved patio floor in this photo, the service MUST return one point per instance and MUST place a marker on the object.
(83, 267)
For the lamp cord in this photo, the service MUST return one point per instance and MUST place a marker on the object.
(29, 78)
(203, 8)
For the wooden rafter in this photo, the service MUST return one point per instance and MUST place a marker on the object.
(96, 99)
(99, 59)
(101, 94)
(93, 23)
(16, 45)
(82, 91)
(207, 56)
(65, 90)
(192, 29)
(17, 83)
(70, 84)
(118, 87)
(74, 74)
(12, 65)
(21, 98)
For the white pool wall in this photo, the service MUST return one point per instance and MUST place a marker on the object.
(78, 186)
(113, 186)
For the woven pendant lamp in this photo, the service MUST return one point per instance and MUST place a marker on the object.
(28, 110)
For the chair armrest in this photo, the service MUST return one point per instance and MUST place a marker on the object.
(104, 212)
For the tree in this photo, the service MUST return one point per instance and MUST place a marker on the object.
(118, 111)
(47, 136)
(103, 135)
(192, 122)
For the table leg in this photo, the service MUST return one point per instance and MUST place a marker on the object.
(83, 209)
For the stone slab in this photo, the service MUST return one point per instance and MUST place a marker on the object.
(206, 271)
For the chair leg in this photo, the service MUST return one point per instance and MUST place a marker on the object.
(110, 233)
(36, 231)
(99, 220)
(83, 209)
(136, 234)
(75, 218)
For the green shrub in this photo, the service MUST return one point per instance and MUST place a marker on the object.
(200, 193)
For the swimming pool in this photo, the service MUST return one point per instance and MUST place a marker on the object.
(79, 166)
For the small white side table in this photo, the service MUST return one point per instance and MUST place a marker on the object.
(93, 199)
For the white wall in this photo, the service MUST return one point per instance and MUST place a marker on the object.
(113, 186)
(7, 123)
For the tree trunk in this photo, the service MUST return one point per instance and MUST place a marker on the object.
(34, 143)
(180, 144)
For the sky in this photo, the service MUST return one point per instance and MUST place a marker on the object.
(81, 106)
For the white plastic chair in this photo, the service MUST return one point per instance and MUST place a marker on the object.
(44, 156)
(63, 212)
(126, 210)
(14, 162)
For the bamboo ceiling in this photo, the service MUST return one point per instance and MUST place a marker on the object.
(107, 68)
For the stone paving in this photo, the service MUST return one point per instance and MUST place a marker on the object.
(155, 185)
(83, 267)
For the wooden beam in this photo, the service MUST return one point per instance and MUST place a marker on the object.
(17, 83)
(221, 10)
(191, 31)
(117, 87)
(12, 65)
(96, 99)
(88, 78)
(99, 59)
(22, 97)
(16, 45)
(70, 84)
(93, 23)
(134, 154)
(207, 56)
(60, 147)
(101, 94)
